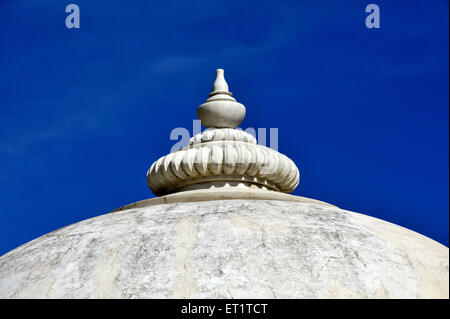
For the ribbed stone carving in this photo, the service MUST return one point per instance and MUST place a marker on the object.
(224, 156)
(226, 134)
(223, 163)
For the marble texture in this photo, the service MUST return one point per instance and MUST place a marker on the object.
(228, 249)
(222, 193)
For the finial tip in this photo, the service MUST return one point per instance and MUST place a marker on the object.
(220, 84)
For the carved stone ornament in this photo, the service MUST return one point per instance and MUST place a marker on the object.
(222, 156)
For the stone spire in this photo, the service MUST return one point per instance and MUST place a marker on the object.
(221, 110)
(222, 156)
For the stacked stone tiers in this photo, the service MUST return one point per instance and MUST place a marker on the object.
(223, 158)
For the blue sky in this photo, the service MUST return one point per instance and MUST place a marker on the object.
(84, 112)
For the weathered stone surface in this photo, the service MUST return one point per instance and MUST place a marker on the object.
(225, 249)
(221, 193)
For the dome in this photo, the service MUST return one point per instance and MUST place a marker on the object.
(242, 248)
(225, 226)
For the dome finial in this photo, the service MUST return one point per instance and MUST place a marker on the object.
(221, 110)
(222, 156)
(220, 85)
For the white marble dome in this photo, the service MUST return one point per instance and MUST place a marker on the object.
(241, 248)
(225, 227)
